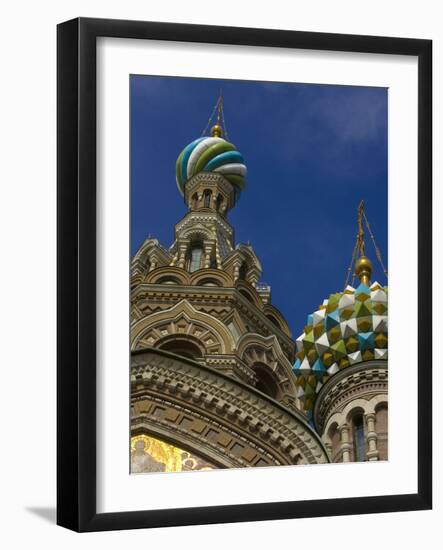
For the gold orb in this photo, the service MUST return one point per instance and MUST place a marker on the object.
(363, 269)
(363, 264)
(216, 130)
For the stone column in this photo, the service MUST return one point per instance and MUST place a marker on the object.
(182, 255)
(217, 255)
(345, 445)
(372, 453)
(253, 277)
(237, 270)
(207, 250)
(154, 262)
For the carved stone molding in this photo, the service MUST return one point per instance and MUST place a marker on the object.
(216, 301)
(216, 416)
(362, 381)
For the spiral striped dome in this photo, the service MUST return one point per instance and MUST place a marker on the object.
(350, 327)
(211, 154)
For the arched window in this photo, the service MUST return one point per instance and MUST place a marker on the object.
(207, 199)
(194, 200)
(246, 295)
(208, 281)
(195, 257)
(182, 347)
(273, 320)
(381, 427)
(243, 271)
(266, 382)
(359, 438)
(218, 203)
(334, 438)
(168, 280)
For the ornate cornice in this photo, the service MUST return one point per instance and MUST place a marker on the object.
(192, 218)
(260, 428)
(208, 177)
(363, 380)
(169, 295)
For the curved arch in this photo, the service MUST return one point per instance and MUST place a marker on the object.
(273, 320)
(337, 418)
(332, 428)
(156, 276)
(274, 315)
(255, 349)
(250, 256)
(214, 335)
(197, 233)
(183, 345)
(266, 343)
(288, 438)
(332, 440)
(354, 405)
(220, 276)
(357, 409)
(168, 280)
(142, 253)
(379, 401)
(267, 381)
(151, 246)
(367, 407)
(209, 281)
(184, 441)
(248, 292)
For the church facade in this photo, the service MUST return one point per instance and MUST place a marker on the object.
(217, 381)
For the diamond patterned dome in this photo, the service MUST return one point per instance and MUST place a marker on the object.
(348, 328)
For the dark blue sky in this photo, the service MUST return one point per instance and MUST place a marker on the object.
(312, 153)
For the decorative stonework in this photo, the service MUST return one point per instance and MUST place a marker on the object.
(218, 302)
(358, 392)
(220, 419)
(363, 381)
(211, 360)
(183, 320)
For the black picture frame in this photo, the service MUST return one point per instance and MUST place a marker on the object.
(76, 295)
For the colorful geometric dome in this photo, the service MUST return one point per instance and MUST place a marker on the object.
(349, 327)
(211, 154)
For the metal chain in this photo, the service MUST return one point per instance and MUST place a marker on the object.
(210, 118)
(217, 107)
(223, 121)
(377, 251)
(350, 268)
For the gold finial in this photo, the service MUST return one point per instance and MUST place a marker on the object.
(219, 128)
(363, 270)
(216, 130)
(363, 265)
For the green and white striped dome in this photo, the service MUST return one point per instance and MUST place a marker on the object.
(211, 154)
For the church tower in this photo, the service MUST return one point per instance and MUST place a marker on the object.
(211, 362)
(341, 364)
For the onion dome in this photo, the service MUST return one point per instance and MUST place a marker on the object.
(348, 328)
(211, 154)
